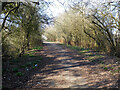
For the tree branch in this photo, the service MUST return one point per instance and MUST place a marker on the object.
(8, 14)
(92, 37)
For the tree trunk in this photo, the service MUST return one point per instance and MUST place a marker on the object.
(119, 14)
(28, 41)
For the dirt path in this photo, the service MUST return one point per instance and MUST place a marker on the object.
(67, 69)
(63, 72)
(57, 66)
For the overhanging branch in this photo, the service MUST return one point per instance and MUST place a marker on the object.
(15, 8)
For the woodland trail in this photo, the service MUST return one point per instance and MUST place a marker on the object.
(67, 69)
(64, 70)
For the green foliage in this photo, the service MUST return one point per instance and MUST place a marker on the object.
(33, 67)
(28, 64)
(105, 68)
(15, 69)
(102, 62)
(23, 30)
(19, 74)
(81, 53)
(94, 30)
(68, 28)
(22, 66)
(90, 55)
(35, 62)
(31, 55)
(74, 47)
(38, 48)
(94, 57)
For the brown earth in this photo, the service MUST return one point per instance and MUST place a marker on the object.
(62, 67)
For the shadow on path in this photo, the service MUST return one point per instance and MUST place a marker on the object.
(63, 70)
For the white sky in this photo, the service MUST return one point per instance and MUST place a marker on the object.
(57, 8)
